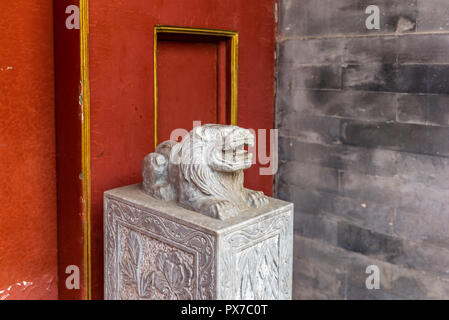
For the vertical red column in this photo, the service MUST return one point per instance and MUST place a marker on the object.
(28, 225)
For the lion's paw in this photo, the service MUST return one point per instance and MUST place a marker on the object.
(256, 199)
(222, 209)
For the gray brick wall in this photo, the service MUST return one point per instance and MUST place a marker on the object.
(363, 118)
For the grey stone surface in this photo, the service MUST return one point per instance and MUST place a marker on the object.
(155, 249)
(347, 104)
(328, 17)
(432, 15)
(427, 170)
(375, 216)
(364, 151)
(423, 109)
(313, 51)
(423, 48)
(371, 50)
(323, 271)
(407, 78)
(376, 162)
(318, 129)
(421, 227)
(403, 137)
(308, 176)
(311, 76)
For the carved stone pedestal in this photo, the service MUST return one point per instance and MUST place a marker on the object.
(158, 250)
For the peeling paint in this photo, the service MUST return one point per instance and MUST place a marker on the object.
(80, 102)
(6, 68)
(22, 286)
(24, 289)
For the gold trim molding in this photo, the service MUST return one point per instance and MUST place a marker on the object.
(234, 38)
(85, 147)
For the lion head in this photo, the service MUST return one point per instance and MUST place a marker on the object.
(213, 158)
(220, 147)
(204, 171)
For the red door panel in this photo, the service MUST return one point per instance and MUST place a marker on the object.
(187, 85)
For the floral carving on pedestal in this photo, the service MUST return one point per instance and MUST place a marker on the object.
(259, 267)
(260, 257)
(174, 276)
(134, 274)
(132, 269)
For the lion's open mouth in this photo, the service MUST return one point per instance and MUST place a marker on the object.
(234, 154)
(228, 147)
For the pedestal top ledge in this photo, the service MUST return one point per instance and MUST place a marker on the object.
(135, 196)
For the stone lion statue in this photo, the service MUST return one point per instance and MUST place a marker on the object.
(204, 172)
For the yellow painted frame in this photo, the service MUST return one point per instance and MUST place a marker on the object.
(85, 147)
(232, 35)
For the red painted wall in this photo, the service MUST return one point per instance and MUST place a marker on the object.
(121, 71)
(28, 246)
(187, 75)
